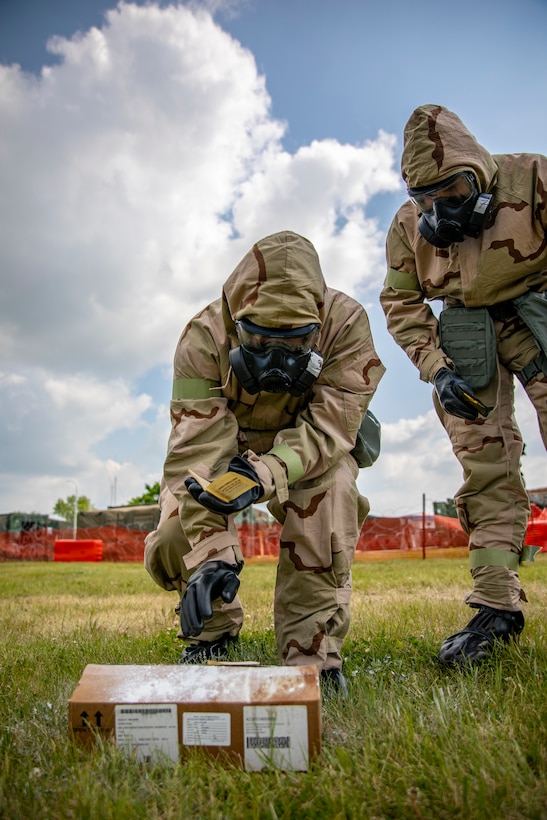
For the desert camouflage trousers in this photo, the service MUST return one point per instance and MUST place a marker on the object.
(492, 504)
(321, 522)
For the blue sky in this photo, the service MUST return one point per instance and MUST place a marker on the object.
(147, 147)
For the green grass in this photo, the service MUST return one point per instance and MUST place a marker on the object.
(413, 741)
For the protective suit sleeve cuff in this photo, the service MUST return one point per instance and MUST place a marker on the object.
(264, 473)
(279, 473)
(432, 363)
(217, 547)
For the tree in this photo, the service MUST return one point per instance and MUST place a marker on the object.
(65, 508)
(151, 496)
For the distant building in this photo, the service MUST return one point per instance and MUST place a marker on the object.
(30, 522)
(253, 515)
(538, 497)
(142, 517)
(446, 508)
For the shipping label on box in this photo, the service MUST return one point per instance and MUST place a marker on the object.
(150, 731)
(276, 736)
(258, 716)
(206, 729)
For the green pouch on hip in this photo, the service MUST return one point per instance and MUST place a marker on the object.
(468, 337)
(532, 309)
(367, 446)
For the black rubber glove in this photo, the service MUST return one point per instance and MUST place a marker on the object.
(237, 465)
(212, 580)
(448, 384)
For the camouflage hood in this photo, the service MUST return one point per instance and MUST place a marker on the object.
(278, 283)
(437, 145)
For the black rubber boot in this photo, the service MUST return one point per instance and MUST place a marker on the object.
(477, 640)
(204, 651)
(333, 684)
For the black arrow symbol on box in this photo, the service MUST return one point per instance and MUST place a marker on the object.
(84, 715)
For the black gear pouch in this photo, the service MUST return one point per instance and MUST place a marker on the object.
(468, 337)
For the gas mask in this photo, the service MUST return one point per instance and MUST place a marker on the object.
(451, 210)
(274, 360)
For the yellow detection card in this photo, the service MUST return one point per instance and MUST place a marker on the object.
(227, 487)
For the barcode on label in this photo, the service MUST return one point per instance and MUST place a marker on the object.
(269, 742)
(146, 711)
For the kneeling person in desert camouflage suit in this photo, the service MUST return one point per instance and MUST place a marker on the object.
(271, 381)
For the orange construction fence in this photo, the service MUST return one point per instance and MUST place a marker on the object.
(411, 536)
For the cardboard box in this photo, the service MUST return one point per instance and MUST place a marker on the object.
(257, 715)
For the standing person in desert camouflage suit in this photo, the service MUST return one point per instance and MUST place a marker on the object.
(474, 235)
(271, 381)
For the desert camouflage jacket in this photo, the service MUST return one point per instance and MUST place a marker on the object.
(279, 283)
(506, 260)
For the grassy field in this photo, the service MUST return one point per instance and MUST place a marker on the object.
(413, 741)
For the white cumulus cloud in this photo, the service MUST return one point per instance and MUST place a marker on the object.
(136, 173)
